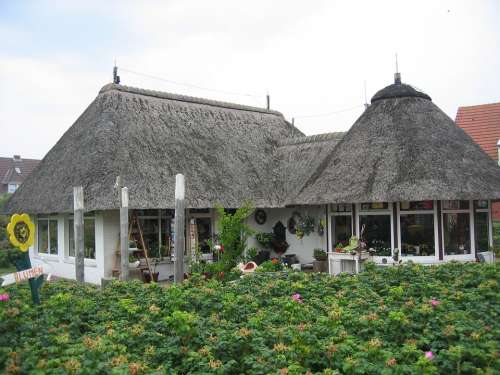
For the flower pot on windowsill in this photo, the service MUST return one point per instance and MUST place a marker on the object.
(320, 266)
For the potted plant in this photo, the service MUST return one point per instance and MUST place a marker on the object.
(339, 248)
(320, 263)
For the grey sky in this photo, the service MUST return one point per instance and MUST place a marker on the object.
(312, 56)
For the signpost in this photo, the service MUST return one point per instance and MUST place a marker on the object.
(21, 232)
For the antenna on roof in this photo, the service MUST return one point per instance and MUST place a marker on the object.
(366, 101)
(397, 75)
(293, 121)
(268, 98)
(116, 77)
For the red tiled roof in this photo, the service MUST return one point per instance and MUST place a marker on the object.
(8, 172)
(482, 123)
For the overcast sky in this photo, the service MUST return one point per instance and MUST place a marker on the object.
(313, 57)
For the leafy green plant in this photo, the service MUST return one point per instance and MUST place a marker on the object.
(320, 254)
(233, 233)
(264, 239)
(272, 265)
(409, 319)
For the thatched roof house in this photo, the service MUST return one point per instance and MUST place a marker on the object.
(404, 177)
(402, 148)
(147, 137)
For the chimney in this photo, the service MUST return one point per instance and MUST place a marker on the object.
(397, 78)
(17, 157)
(268, 98)
(116, 77)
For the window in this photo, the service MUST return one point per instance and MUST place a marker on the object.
(18, 170)
(157, 228)
(88, 237)
(456, 227)
(47, 235)
(482, 225)
(416, 223)
(11, 188)
(375, 218)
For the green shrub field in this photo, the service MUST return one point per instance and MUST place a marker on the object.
(394, 320)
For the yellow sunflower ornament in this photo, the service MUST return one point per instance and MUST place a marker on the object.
(21, 231)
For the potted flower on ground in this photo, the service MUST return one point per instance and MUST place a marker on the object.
(320, 263)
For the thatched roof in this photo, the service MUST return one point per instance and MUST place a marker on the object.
(225, 151)
(403, 147)
(298, 158)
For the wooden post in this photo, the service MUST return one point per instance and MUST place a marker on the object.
(179, 229)
(78, 207)
(124, 236)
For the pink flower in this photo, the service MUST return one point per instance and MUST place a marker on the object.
(434, 302)
(297, 297)
(429, 355)
(4, 297)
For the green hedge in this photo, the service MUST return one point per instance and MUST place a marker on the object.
(381, 322)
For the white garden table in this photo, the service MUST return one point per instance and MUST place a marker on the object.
(342, 262)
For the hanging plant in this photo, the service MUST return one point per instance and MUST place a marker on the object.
(299, 233)
(306, 225)
(321, 227)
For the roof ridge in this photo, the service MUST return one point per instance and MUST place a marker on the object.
(311, 138)
(185, 98)
(477, 105)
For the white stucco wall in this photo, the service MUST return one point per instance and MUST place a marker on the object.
(61, 264)
(304, 247)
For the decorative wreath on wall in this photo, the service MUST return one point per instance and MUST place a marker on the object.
(260, 217)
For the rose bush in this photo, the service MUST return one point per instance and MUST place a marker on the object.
(394, 320)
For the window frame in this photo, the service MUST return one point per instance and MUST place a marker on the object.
(161, 215)
(377, 212)
(11, 186)
(418, 258)
(490, 222)
(470, 211)
(48, 219)
(332, 214)
(70, 227)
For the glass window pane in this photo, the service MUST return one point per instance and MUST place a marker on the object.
(341, 230)
(377, 233)
(204, 232)
(166, 237)
(481, 204)
(43, 236)
(456, 231)
(416, 205)
(151, 235)
(482, 230)
(89, 238)
(417, 234)
(455, 205)
(53, 236)
(71, 247)
(341, 207)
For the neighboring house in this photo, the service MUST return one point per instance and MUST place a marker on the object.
(13, 171)
(482, 123)
(404, 177)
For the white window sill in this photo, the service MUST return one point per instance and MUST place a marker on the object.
(47, 257)
(86, 262)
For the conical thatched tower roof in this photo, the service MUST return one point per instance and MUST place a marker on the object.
(146, 137)
(403, 147)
